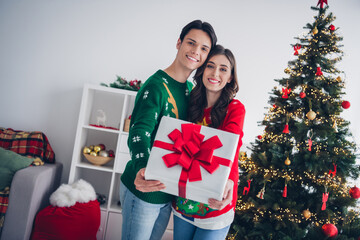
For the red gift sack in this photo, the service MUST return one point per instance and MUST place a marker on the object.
(80, 221)
(73, 215)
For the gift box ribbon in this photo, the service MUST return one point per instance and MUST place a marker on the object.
(191, 152)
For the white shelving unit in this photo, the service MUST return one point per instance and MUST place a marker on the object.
(117, 105)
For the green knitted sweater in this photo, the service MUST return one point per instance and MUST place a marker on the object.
(160, 96)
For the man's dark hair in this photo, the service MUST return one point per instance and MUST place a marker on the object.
(204, 26)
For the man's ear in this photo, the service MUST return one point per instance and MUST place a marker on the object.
(178, 44)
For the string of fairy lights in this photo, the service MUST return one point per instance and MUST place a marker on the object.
(276, 112)
(281, 214)
(304, 178)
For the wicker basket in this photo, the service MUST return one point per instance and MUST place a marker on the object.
(97, 160)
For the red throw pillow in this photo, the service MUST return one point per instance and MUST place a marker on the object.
(78, 222)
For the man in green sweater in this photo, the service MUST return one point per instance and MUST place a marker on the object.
(145, 210)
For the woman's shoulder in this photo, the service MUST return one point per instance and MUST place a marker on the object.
(235, 104)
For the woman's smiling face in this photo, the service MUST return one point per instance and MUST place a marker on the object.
(217, 74)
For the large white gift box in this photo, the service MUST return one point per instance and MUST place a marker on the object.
(193, 161)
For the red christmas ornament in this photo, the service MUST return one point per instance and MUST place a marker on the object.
(259, 137)
(330, 230)
(318, 71)
(333, 173)
(284, 194)
(345, 104)
(325, 197)
(310, 144)
(332, 28)
(302, 95)
(286, 128)
(247, 189)
(354, 192)
(111, 153)
(296, 49)
(102, 146)
(321, 2)
(286, 92)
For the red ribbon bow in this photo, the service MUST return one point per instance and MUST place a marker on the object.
(191, 152)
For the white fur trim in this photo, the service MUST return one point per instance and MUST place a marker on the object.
(68, 195)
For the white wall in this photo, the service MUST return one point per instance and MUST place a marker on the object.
(49, 49)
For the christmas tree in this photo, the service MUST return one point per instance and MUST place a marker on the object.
(295, 183)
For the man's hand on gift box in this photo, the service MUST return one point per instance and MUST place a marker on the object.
(227, 197)
(147, 185)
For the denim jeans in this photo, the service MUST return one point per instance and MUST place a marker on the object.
(142, 220)
(186, 231)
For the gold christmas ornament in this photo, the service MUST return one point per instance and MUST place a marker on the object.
(335, 126)
(338, 79)
(86, 150)
(311, 115)
(306, 213)
(287, 70)
(242, 154)
(287, 161)
(91, 147)
(97, 149)
(315, 31)
(93, 153)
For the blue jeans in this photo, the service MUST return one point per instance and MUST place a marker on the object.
(186, 231)
(142, 220)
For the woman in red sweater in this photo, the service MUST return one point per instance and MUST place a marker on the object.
(212, 104)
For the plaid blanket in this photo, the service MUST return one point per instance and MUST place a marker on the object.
(32, 144)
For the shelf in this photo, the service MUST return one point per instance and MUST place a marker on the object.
(102, 129)
(110, 90)
(103, 106)
(115, 208)
(94, 167)
(103, 207)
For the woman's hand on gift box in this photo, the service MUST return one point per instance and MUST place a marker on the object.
(227, 197)
(147, 185)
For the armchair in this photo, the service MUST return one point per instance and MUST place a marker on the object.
(31, 188)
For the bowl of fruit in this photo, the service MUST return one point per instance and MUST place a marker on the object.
(97, 154)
